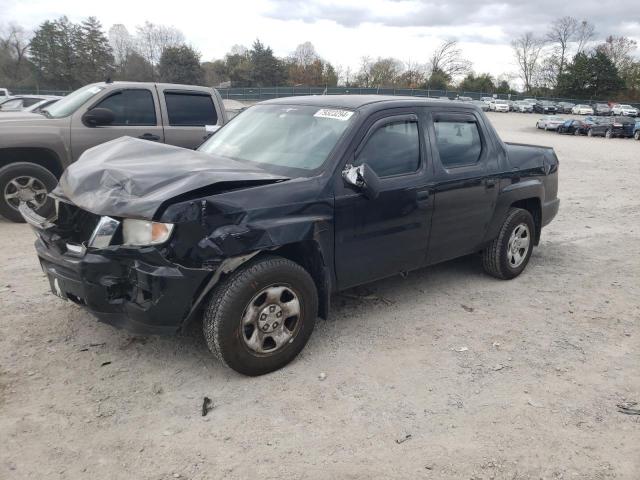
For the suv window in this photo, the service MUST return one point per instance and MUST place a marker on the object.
(393, 149)
(190, 109)
(131, 107)
(458, 142)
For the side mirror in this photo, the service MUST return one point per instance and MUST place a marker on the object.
(97, 117)
(363, 178)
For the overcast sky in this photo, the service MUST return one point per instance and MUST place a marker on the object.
(344, 31)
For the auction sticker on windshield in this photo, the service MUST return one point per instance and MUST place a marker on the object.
(332, 113)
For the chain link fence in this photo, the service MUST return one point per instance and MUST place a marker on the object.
(256, 94)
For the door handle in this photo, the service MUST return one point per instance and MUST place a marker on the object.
(422, 195)
(149, 136)
(490, 183)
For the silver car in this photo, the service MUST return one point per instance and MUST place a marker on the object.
(550, 122)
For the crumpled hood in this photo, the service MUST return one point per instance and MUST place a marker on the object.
(130, 177)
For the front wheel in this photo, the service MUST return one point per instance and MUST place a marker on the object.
(636, 135)
(261, 316)
(576, 132)
(508, 254)
(589, 133)
(25, 182)
(608, 134)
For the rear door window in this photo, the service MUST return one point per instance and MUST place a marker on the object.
(458, 142)
(190, 109)
(131, 107)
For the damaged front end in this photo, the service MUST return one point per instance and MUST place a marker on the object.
(133, 287)
(103, 250)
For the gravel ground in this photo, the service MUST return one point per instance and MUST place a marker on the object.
(446, 373)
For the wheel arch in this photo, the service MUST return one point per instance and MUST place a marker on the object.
(528, 195)
(37, 155)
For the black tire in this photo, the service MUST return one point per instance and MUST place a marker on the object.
(495, 258)
(25, 169)
(576, 132)
(608, 134)
(589, 133)
(222, 323)
(636, 135)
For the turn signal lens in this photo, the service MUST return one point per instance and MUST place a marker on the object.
(143, 232)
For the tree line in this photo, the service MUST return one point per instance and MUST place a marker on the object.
(63, 55)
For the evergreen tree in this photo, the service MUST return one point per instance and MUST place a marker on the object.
(94, 52)
(181, 64)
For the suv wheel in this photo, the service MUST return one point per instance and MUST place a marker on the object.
(589, 133)
(261, 316)
(576, 132)
(25, 182)
(637, 135)
(608, 134)
(507, 256)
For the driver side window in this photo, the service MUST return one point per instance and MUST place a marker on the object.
(393, 149)
(131, 108)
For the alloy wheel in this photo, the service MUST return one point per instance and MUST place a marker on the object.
(25, 189)
(271, 320)
(518, 245)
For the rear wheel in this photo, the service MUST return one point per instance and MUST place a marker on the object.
(25, 182)
(637, 135)
(608, 134)
(508, 254)
(576, 132)
(589, 133)
(261, 316)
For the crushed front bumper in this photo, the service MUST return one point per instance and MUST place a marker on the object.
(135, 288)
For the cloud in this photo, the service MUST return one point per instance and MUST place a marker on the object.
(513, 15)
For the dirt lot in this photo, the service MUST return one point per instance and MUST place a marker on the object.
(447, 373)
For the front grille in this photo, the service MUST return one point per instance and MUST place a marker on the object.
(74, 224)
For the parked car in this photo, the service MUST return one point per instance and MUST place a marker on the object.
(545, 106)
(532, 101)
(565, 107)
(601, 109)
(283, 206)
(484, 106)
(572, 127)
(523, 107)
(4, 94)
(625, 110)
(36, 148)
(550, 122)
(613, 127)
(636, 130)
(487, 100)
(20, 103)
(464, 99)
(512, 105)
(39, 106)
(582, 109)
(499, 106)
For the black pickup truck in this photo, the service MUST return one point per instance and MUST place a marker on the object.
(294, 199)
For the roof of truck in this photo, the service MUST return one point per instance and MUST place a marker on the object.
(356, 101)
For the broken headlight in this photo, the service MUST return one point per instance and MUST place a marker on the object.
(144, 232)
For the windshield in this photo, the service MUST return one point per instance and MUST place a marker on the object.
(290, 136)
(69, 104)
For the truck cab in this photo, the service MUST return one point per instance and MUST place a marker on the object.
(36, 148)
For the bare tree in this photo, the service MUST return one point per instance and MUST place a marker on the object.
(121, 43)
(620, 51)
(14, 41)
(447, 58)
(304, 55)
(151, 40)
(584, 34)
(527, 50)
(560, 35)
